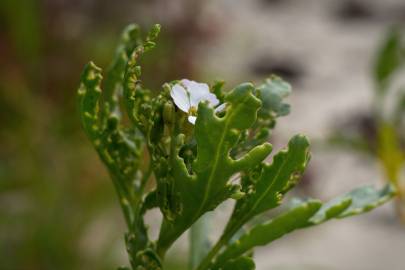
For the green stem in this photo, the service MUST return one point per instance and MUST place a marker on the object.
(163, 247)
(225, 238)
(122, 193)
(206, 262)
(124, 201)
(199, 240)
(145, 178)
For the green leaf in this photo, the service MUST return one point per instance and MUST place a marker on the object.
(241, 263)
(389, 59)
(152, 36)
(208, 185)
(357, 201)
(275, 180)
(305, 214)
(365, 199)
(280, 176)
(137, 99)
(330, 210)
(200, 243)
(263, 234)
(134, 95)
(147, 260)
(271, 93)
(120, 148)
(130, 39)
(117, 147)
(88, 99)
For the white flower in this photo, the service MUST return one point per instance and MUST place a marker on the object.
(188, 94)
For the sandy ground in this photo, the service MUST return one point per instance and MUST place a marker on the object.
(335, 55)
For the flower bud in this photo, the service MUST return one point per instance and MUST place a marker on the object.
(168, 113)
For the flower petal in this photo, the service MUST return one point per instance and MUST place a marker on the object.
(180, 97)
(192, 119)
(211, 98)
(191, 86)
(196, 91)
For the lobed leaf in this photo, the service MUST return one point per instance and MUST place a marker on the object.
(208, 185)
(275, 180)
(271, 93)
(88, 99)
(120, 148)
(305, 214)
(137, 99)
(365, 199)
(263, 234)
(355, 202)
(130, 39)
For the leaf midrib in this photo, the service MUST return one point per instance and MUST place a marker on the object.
(270, 186)
(217, 155)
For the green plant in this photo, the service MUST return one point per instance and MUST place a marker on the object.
(200, 147)
(382, 136)
(48, 171)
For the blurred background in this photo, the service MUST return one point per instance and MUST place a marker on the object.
(57, 206)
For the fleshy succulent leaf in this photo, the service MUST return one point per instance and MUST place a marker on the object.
(130, 39)
(263, 234)
(151, 37)
(357, 201)
(274, 181)
(278, 177)
(208, 185)
(272, 93)
(366, 198)
(305, 214)
(88, 99)
(119, 147)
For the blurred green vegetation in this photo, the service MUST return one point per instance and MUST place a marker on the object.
(50, 183)
(380, 133)
(57, 205)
